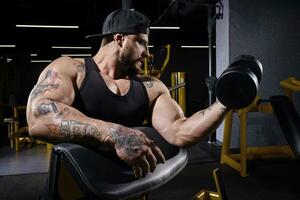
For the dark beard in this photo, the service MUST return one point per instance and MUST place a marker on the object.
(127, 69)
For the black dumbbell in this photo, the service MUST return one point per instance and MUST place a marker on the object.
(237, 86)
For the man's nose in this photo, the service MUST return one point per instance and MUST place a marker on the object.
(146, 53)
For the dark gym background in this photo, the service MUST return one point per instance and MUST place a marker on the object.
(265, 29)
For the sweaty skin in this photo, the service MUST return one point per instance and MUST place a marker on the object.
(51, 118)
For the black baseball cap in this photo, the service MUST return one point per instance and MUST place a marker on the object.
(128, 21)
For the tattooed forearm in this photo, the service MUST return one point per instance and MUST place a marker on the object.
(51, 81)
(203, 112)
(218, 121)
(126, 139)
(71, 128)
(219, 115)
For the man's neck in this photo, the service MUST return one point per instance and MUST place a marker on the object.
(107, 62)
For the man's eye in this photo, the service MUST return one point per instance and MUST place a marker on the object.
(142, 42)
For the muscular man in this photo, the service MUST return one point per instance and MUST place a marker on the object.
(97, 100)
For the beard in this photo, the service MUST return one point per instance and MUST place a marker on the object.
(129, 67)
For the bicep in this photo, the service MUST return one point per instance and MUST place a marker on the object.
(166, 114)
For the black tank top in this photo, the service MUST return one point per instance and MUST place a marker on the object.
(96, 100)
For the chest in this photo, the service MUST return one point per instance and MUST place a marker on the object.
(119, 87)
(120, 101)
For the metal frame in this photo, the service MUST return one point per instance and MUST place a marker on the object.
(238, 161)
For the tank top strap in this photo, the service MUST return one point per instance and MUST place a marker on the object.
(90, 64)
(143, 87)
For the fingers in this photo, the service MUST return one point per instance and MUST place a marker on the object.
(155, 149)
(145, 166)
(148, 162)
(137, 171)
(153, 155)
(152, 161)
(145, 156)
(158, 153)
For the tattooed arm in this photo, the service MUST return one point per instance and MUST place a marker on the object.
(169, 120)
(49, 114)
(51, 118)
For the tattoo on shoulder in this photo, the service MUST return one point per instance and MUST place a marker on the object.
(51, 81)
(148, 81)
(80, 67)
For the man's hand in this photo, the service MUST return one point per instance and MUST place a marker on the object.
(138, 151)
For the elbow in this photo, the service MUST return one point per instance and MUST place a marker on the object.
(182, 143)
(35, 121)
(181, 140)
(185, 139)
(32, 130)
(182, 135)
(35, 130)
(177, 135)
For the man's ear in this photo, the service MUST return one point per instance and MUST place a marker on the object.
(119, 38)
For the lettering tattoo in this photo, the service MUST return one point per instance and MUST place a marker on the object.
(51, 81)
(148, 81)
(71, 128)
(126, 139)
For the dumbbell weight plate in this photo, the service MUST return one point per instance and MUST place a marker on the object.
(249, 62)
(237, 88)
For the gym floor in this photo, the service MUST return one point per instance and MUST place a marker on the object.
(23, 176)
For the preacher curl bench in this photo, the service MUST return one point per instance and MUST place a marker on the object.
(79, 172)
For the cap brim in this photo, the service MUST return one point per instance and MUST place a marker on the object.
(95, 36)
